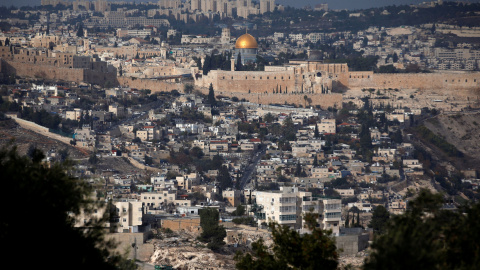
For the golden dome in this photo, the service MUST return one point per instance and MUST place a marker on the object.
(246, 41)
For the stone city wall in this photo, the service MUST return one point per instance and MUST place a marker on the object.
(452, 81)
(43, 71)
(154, 85)
(323, 100)
(49, 72)
(249, 81)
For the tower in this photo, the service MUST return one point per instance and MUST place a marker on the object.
(225, 39)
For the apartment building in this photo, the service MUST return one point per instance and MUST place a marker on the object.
(289, 205)
(327, 126)
(279, 206)
(128, 215)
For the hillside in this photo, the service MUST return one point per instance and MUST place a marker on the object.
(22, 138)
(462, 130)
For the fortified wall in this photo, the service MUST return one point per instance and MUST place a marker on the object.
(422, 81)
(250, 81)
(55, 65)
(42, 71)
(77, 75)
(154, 85)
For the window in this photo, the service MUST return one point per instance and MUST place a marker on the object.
(124, 220)
(288, 217)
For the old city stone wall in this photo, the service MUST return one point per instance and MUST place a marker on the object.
(43, 71)
(154, 85)
(49, 72)
(444, 80)
(250, 81)
(323, 100)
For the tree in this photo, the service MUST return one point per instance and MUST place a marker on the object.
(292, 250)
(58, 199)
(240, 211)
(93, 159)
(379, 220)
(223, 178)
(212, 233)
(188, 88)
(316, 133)
(268, 118)
(238, 64)
(80, 31)
(211, 96)
(427, 237)
(347, 220)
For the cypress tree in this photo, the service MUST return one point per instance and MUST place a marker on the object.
(347, 220)
(358, 219)
(238, 64)
(211, 96)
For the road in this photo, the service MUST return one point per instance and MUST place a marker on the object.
(251, 167)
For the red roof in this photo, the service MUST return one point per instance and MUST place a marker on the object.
(255, 140)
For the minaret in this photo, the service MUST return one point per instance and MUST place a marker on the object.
(232, 64)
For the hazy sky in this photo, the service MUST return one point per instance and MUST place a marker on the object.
(333, 4)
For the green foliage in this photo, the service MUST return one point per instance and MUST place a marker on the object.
(292, 250)
(212, 233)
(57, 198)
(380, 217)
(426, 237)
(93, 159)
(268, 118)
(41, 117)
(358, 63)
(238, 63)
(387, 69)
(240, 211)
(80, 31)
(224, 178)
(188, 88)
(211, 96)
(244, 221)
